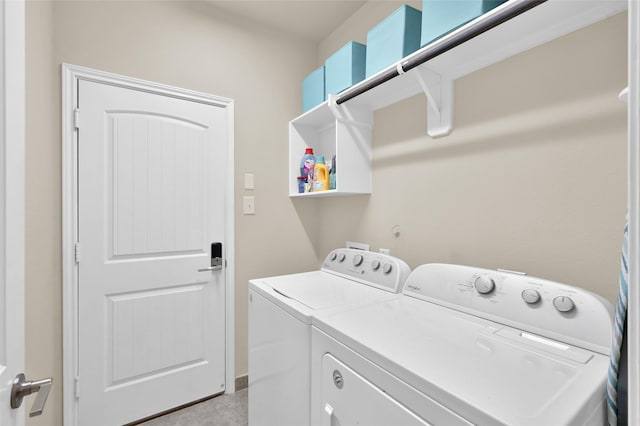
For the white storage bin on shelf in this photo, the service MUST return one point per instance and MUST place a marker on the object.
(343, 131)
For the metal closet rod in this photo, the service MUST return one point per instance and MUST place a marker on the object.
(438, 48)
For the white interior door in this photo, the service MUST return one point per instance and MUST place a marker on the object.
(11, 205)
(152, 174)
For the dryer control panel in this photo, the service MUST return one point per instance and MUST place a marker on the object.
(558, 311)
(375, 269)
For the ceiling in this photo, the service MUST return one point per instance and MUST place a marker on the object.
(313, 20)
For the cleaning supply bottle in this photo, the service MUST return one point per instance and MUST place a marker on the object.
(332, 174)
(307, 163)
(321, 173)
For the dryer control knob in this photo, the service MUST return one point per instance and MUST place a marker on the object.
(387, 268)
(375, 265)
(341, 257)
(357, 260)
(530, 296)
(484, 285)
(564, 304)
(333, 257)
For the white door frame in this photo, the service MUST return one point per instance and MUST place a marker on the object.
(71, 74)
(12, 149)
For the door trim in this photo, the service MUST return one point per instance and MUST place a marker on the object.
(12, 201)
(71, 74)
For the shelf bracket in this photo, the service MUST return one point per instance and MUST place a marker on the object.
(439, 92)
(342, 115)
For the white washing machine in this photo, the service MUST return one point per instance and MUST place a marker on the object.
(280, 315)
(464, 346)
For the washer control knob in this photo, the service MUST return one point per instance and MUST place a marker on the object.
(484, 285)
(341, 257)
(564, 303)
(357, 260)
(375, 265)
(530, 296)
(333, 256)
(387, 268)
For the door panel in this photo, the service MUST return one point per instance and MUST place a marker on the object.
(154, 331)
(158, 193)
(151, 182)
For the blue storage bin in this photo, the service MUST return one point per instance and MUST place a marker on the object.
(346, 67)
(440, 17)
(393, 39)
(313, 92)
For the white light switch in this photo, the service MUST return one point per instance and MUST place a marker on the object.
(248, 181)
(248, 205)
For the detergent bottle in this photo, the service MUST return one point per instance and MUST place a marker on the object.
(307, 163)
(321, 173)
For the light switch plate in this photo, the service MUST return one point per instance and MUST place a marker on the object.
(248, 181)
(248, 205)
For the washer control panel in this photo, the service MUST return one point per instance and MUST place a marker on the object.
(375, 269)
(551, 309)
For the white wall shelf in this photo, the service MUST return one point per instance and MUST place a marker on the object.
(344, 130)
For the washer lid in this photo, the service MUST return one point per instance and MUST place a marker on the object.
(482, 370)
(321, 290)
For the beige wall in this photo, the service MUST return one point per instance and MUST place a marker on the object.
(533, 177)
(185, 44)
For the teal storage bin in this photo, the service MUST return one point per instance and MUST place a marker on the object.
(313, 92)
(346, 67)
(440, 17)
(393, 39)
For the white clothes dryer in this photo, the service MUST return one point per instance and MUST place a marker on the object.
(464, 346)
(280, 314)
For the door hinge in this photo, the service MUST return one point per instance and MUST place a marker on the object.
(76, 252)
(76, 118)
(76, 386)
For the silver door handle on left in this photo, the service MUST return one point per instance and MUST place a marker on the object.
(216, 265)
(211, 268)
(21, 388)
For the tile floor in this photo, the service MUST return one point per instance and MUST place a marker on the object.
(223, 410)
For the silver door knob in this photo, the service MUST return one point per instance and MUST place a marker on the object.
(21, 388)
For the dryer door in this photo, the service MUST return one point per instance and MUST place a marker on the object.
(350, 399)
